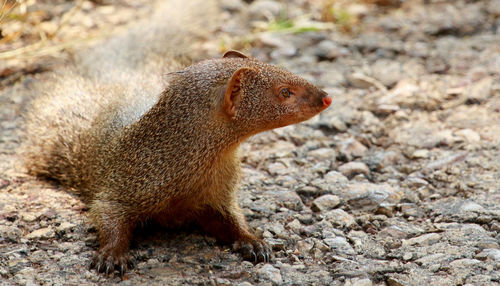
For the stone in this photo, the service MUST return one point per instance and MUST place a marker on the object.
(10, 233)
(268, 272)
(494, 8)
(42, 233)
(65, 226)
(351, 169)
(325, 202)
(360, 80)
(420, 154)
(304, 246)
(464, 263)
(426, 239)
(339, 245)
(358, 282)
(29, 217)
(340, 218)
(492, 254)
(265, 10)
(323, 154)
(233, 5)
(288, 199)
(469, 206)
(468, 135)
(388, 72)
(329, 50)
(368, 196)
(351, 149)
(480, 91)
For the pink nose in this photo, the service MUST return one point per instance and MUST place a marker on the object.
(327, 101)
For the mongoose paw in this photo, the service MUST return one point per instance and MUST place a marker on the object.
(254, 250)
(107, 263)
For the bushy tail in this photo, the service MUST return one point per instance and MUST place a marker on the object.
(115, 81)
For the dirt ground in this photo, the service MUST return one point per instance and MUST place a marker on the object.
(397, 183)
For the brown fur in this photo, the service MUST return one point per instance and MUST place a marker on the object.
(178, 161)
(135, 156)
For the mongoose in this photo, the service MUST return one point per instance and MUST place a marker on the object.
(178, 161)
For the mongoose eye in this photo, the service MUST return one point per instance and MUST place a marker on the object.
(285, 93)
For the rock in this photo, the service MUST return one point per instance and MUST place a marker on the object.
(323, 154)
(294, 225)
(492, 254)
(333, 77)
(339, 245)
(325, 202)
(233, 5)
(386, 109)
(468, 135)
(432, 259)
(494, 8)
(10, 233)
(416, 182)
(358, 282)
(340, 218)
(276, 228)
(368, 196)
(445, 161)
(265, 10)
(268, 272)
(366, 245)
(426, 239)
(392, 281)
(360, 80)
(407, 256)
(334, 177)
(480, 91)
(386, 209)
(42, 233)
(277, 168)
(304, 246)
(420, 154)
(288, 199)
(333, 181)
(30, 217)
(281, 45)
(65, 226)
(329, 50)
(388, 72)
(351, 169)
(244, 284)
(351, 149)
(469, 206)
(464, 263)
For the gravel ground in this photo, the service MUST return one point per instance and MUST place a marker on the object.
(397, 183)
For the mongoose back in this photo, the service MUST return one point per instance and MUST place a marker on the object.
(177, 161)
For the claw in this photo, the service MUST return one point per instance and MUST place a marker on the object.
(122, 270)
(107, 269)
(254, 256)
(98, 267)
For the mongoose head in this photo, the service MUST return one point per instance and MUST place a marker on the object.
(259, 96)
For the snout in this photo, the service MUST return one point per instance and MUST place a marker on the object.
(326, 99)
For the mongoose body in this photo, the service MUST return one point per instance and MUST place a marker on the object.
(172, 161)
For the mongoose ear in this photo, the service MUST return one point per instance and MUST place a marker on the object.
(234, 54)
(233, 93)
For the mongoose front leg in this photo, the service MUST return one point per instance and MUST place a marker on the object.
(229, 226)
(115, 231)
